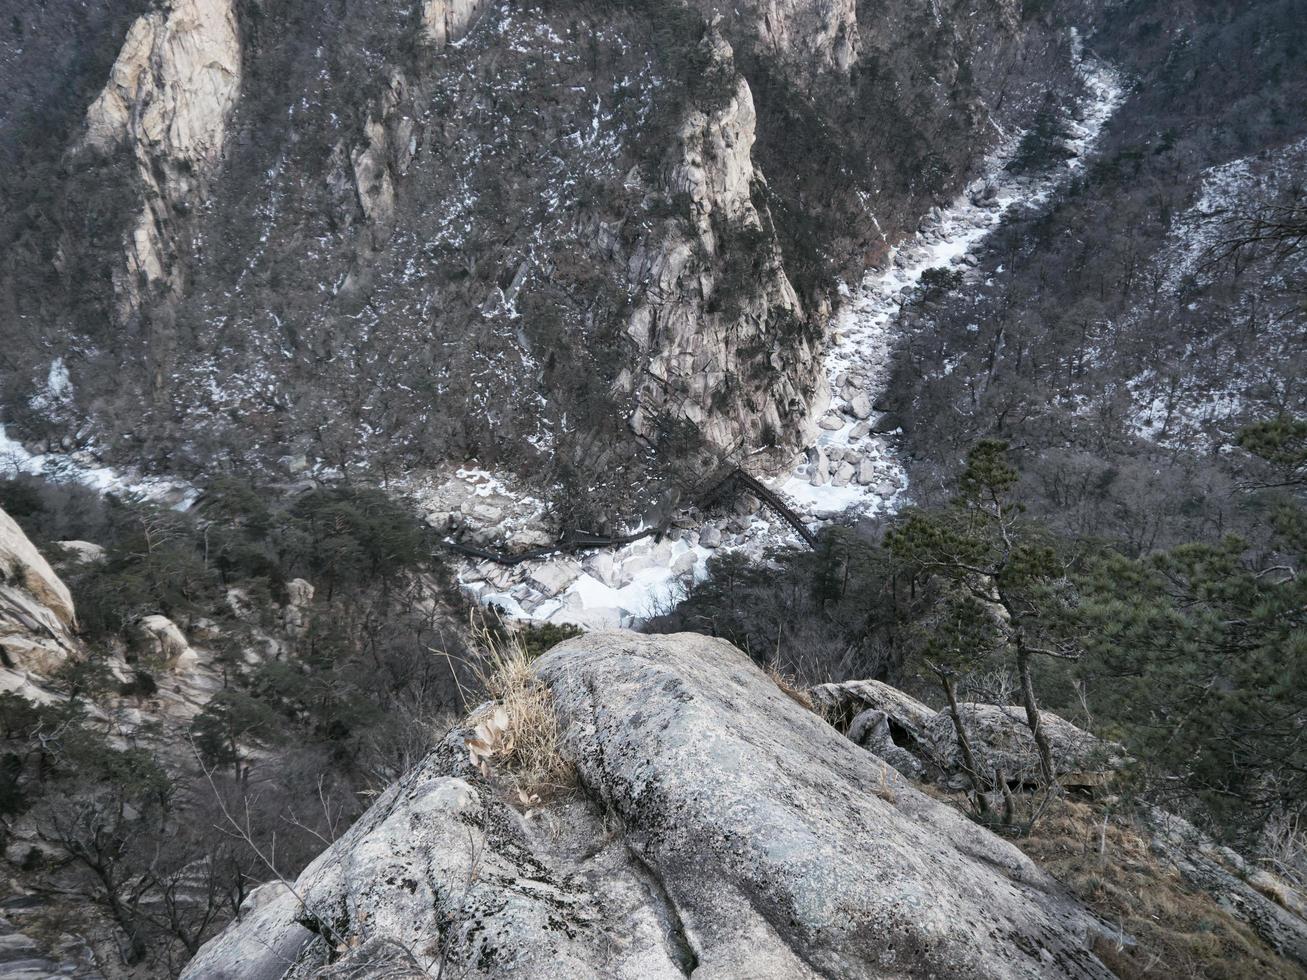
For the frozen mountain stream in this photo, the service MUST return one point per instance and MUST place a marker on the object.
(854, 470)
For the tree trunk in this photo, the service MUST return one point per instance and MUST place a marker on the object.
(1032, 716)
(1009, 802)
(964, 744)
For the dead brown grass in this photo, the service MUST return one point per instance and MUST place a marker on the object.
(1180, 931)
(791, 687)
(518, 739)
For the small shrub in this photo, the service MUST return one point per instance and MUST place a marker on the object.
(791, 687)
(540, 639)
(940, 281)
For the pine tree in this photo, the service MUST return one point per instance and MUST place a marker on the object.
(987, 557)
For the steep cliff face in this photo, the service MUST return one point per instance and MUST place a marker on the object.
(594, 245)
(37, 618)
(168, 100)
(808, 40)
(728, 345)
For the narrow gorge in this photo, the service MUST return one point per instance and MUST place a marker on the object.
(663, 488)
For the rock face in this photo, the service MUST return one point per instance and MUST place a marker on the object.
(810, 39)
(881, 719)
(448, 20)
(1269, 904)
(696, 329)
(167, 643)
(754, 842)
(843, 702)
(1001, 739)
(891, 724)
(168, 99)
(36, 609)
(21, 564)
(297, 613)
(82, 552)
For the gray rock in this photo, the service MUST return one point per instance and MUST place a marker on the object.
(167, 643)
(860, 406)
(908, 718)
(555, 575)
(710, 536)
(440, 869)
(871, 729)
(487, 513)
(820, 468)
(726, 788)
(1001, 739)
(86, 552)
(22, 566)
(1270, 905)
(724, 832)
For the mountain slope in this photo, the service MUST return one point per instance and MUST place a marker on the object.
(591, 240)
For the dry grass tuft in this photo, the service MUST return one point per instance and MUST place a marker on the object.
(791, 687)
(518, 737)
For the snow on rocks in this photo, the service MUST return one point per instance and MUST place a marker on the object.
(1202, 404)
(865, 328)
(616, 588)
(82, 468)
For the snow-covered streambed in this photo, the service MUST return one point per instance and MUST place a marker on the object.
(82, 468)
(854, 470)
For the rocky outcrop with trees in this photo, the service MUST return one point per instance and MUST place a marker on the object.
(923, 380)
(715, 825)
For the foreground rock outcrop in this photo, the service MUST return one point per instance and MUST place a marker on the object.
(37, 618)
(918, 740)
(720, 829)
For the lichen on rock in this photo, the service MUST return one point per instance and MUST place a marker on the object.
(723, 830)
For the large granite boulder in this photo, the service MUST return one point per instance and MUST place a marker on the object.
(919, 741)
(166, 644)
(720, 830)
(1001, 740)
(881, 719)
(23, 566)
(37, 618)
(842, 703)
